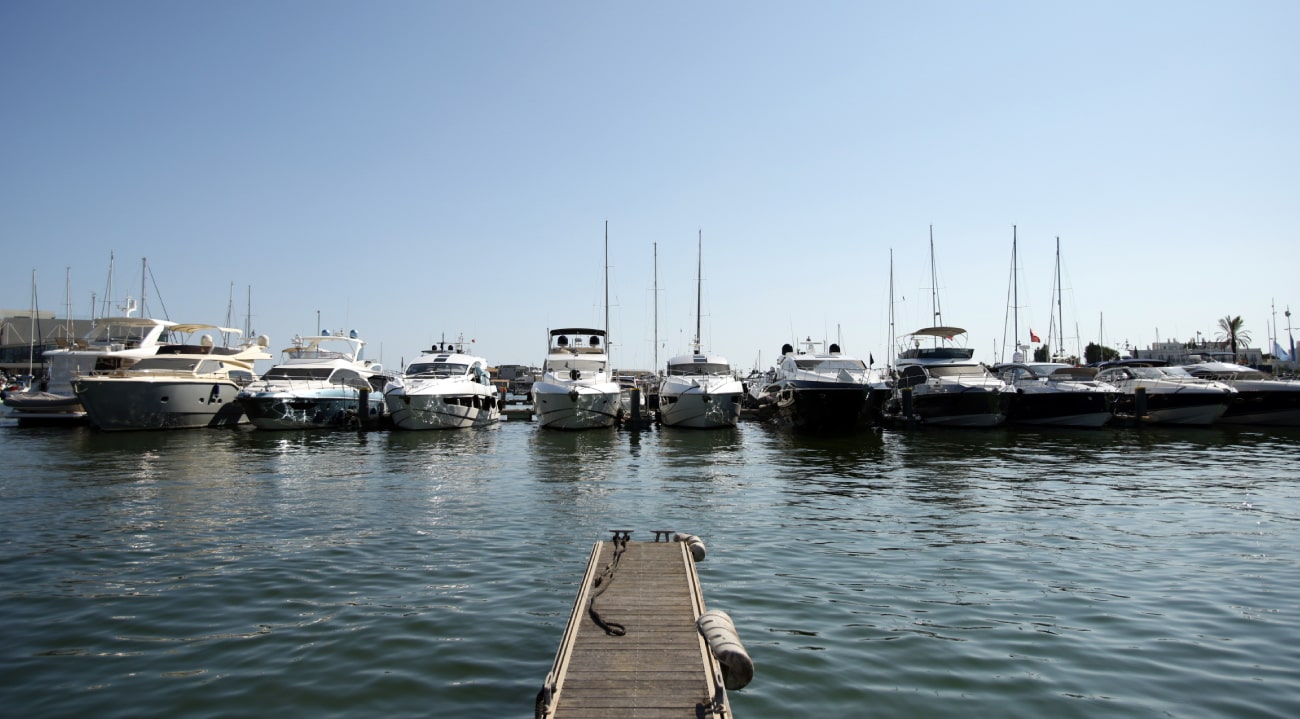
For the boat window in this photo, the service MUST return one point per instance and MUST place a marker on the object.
(166, 364)
(437, 369)
(853, 365)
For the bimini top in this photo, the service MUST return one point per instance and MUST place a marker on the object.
(944, 332)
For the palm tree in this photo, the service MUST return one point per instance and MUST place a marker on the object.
(1231, 331)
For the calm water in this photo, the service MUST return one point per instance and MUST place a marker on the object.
(214, 573)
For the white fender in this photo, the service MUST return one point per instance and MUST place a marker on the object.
(720, 633)
(693, 543)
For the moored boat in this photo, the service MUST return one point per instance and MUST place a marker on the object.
(182, 386)
(1057, 394)
(944, 385)
(824, 392)
(699, 390)
(114, 343)
(1261, 399)
(1168, 395)
(319, 383)
(446, 388)
(576, 390)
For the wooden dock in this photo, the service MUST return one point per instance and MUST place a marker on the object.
(631, 649)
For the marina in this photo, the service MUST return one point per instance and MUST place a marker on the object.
(943, 573)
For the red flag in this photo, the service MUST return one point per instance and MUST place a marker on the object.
(1033, 337)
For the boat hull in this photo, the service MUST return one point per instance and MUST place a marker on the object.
(697, 409)
(823, 407)
(1197, 408)
(453, 410)
(576, 407)
(960, 406)
(1062, 409)
(121, 405)
(321, 410)
(1272, 406)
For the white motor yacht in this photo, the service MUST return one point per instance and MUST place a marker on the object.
(319, 383)
(576, 390)
(446, 388)
(699, 392)
(1170, 394)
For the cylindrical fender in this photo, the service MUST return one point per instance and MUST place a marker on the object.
(693, 543)
(720, 633)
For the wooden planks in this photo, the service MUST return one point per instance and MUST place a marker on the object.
(661, 668)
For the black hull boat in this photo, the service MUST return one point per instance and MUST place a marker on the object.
(1062, 409)
(968, 407)
(1261, 398)
(825, 408)
(1264, 407)
(1191, 408)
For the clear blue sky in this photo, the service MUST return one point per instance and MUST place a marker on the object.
(415, 169)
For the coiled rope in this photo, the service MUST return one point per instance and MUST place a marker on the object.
(602, 582)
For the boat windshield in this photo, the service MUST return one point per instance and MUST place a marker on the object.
(1174, 372)
(127, 335)
(698, 368)
(298, 373)
(1146, 372)
(1243, 373)
(957, 370)
(437, 369)
(1044, 370)
(348, 377)
(568, 364)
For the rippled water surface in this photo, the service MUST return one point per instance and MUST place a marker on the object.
(214, 573)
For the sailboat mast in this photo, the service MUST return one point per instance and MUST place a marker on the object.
(108, 291)
(608, 348)
(699, 284)
(934, 285)
(68, 303)
(144, 277)
(1015, 297)
(656, 291)
(31, 338)
(889, 351)
(1060, 316)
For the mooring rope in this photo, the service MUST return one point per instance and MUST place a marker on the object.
(601, 583)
